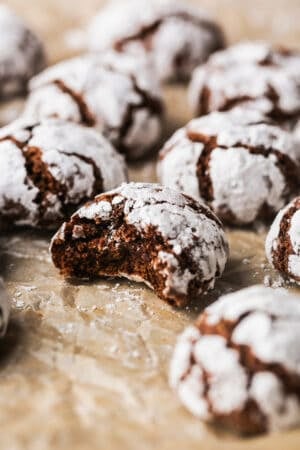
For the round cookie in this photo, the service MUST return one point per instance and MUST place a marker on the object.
(243, 168)
(176, 36)
(145, 232)
(283, 241)
(239, 365)
(50, 168)
(249, 74)
(4, 309)
(21, 54)
(114, 93)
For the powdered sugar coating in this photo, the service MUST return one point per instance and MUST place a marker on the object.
(115, 93)
(21, 53)
(70, 153)
(185, 226)
(176, 36)
(249, 73)
(243, 164)
(223, 384)
(4, 309)
(284, 246)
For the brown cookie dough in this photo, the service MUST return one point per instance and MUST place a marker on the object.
(176, 36)
(21, 54)
(145, 232)
(114, 93)
(239, 365)
(244, 168)
(50, 168)
(283, 242)
(251, 75)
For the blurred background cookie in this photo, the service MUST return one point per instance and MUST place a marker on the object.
(175, 35)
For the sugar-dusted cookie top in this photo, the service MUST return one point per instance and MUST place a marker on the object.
(249, 74)
(239, 365)
(242, 166)
(116, 94)
(49, 168)
(176, 36)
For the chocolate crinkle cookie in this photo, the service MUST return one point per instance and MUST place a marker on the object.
(50, 168)
(239, 365)
(244, 168)
(283, 242)
(21, 54)
(145, 232)
(114, 93)
(249, 74)
(177, 37)
(4, 309)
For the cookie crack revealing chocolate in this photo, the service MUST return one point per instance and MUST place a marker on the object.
(282, 242)
(146, 233)
(286, 165)
(87, 117)
(145, 33)
(147, 102)
(253, 385)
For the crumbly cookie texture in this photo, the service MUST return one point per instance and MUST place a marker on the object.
(117, 94)
(244, 168)
(50, 168)
(21, 54)
(239, 365)
(176, 36)
(148, 233)
(4, 309)
(283, 241)
(252, 74)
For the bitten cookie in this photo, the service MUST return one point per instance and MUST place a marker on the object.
(249, 74)
(283, 241)
(243, 168)
(239, 365)
(176, 36)
(21, 54)
(145, 232)
(4, 309)
(50, 168)
(114, 93)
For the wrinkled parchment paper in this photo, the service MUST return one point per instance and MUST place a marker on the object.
(84, 366)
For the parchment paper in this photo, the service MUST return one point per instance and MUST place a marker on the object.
(84, 366)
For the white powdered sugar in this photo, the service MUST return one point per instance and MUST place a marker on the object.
(268, 323)
(71, 154)
(4, 309)
(164, 30)
(184, 229)
(242, 180)
(111, 87)
(291, 239)
(21, 53)
(249, 72)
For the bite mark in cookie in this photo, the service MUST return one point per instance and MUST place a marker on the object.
(145, 232)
